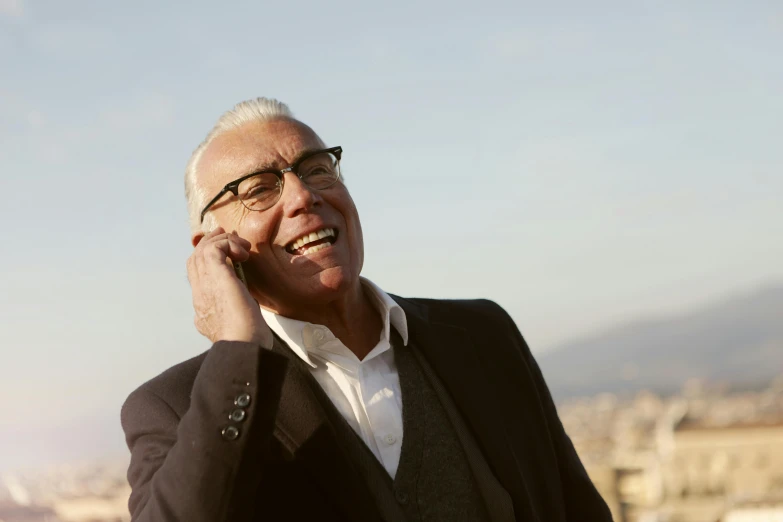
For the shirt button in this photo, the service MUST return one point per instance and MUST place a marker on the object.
(237, 415)
(230, 433)
(390, 439)
(319, 335)
(242, 400)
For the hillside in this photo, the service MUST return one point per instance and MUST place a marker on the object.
(738, 340)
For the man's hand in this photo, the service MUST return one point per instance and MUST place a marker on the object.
(225, 310)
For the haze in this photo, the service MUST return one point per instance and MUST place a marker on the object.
(580, 164)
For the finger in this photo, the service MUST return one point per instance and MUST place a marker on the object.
(200, 268)
(234, 250)
(213, 233)
(217, 233)
(228, 247)
(247, 244)
(219, 240)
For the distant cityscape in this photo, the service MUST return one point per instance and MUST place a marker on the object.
(84, 492)
(706, 454)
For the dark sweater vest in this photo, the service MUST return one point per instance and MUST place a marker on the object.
(434, 481)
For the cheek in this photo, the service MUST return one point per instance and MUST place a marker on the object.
(261, 268)
(258, 231)
(357, 226)
(352, 219)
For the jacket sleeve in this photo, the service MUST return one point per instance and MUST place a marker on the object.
(582, 500)
(204, 466)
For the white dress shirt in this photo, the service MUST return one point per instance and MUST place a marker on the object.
(367, 392)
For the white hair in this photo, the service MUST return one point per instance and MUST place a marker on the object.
(259, 109)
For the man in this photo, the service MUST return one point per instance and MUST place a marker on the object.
(322, 397)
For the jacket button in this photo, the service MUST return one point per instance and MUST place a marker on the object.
(401, 497)
(242, 400)
(237, 415)
(230, 433)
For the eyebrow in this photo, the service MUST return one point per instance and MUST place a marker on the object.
(269, 167)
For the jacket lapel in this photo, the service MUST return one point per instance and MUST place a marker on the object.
(311, 439)
(454, 357)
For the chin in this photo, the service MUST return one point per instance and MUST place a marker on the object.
(326, 286)
(337, 279)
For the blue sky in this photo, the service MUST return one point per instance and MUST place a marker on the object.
(581, 164)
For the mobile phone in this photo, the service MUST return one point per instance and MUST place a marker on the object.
(240, 272)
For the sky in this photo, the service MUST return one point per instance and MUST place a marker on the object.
(582, 164)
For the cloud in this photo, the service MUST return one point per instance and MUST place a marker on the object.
(12, 8)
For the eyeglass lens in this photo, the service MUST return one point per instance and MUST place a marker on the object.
(262, 191)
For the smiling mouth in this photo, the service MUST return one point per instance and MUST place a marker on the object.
(313, 242)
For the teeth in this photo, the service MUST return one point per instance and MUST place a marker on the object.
(315, 236)
(316, 248)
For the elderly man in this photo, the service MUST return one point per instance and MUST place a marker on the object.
(322, 397)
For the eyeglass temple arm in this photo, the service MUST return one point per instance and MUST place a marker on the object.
(227, 188)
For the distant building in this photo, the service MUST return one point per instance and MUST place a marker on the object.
(706, 471)
(770, 510)
(738, 461)
(697, 457)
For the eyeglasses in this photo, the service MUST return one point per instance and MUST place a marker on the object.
(319, 169)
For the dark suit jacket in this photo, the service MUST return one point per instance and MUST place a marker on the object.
(286, 463)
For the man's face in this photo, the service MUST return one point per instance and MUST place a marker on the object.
(281, 279)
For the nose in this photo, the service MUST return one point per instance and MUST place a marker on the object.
(297, 197)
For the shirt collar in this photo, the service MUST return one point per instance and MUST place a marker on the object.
(298, 335)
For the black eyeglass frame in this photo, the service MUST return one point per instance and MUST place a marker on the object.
(233, 186)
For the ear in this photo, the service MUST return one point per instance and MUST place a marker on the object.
(196, 238)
